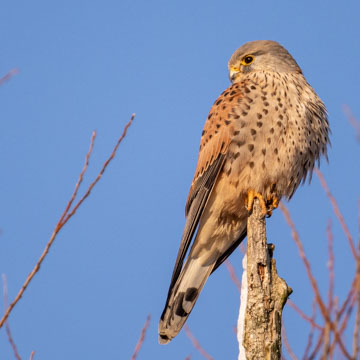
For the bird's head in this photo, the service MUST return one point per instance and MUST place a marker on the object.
(260, 55)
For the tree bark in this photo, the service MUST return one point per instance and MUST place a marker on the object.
(260, 323)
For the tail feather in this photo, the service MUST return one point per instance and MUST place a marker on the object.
(182, 298)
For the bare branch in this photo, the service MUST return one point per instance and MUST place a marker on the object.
(353, 121)
(32, 355)
(67, 215)
(142, 338)
(266, 293)
(196, 343)
(287, 344)
(311, 333)
(313, 282)
(304, 316)
(7, 326)
(356, 334)
(305, 260)
(233, 275)
(8, 75)
(112, 155)
(337, 212)
(330, 266)
(317, 346)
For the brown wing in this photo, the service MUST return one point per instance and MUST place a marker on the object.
(215, 140)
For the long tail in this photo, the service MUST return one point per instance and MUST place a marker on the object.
(182, 298)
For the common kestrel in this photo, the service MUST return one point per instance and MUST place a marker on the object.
(261, 139)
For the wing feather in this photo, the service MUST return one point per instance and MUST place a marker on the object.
(215, 140)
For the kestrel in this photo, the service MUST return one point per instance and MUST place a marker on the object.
(261, 139)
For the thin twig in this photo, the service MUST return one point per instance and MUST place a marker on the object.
(304, 316)
(311, 332)
(353, 121)
(317, 346)
(356, 337)
(345, 320)
(327, 332)
(330, 266)
(337, 212)
(346, 302)
(196, 343)
(112, 155)
(7, 326)
(305, 260)
(67, 215)
(313, 282)
(80, 179)
(141, 338)
(233, 275)
(9, 75)
(356, 334)
(348, 314)
(188, 357)
(286, 343)
(32, 355)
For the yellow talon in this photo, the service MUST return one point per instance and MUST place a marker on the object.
(272, 203)
(267, 207)
(252, 194)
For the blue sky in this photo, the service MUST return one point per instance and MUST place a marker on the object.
(89, 65)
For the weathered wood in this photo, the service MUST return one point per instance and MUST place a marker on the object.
(266, 294)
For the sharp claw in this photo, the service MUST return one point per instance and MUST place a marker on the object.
(252, 194)
(267, 207)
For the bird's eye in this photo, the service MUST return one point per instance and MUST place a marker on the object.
(247, 60)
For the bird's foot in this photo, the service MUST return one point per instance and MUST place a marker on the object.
(271, 204)
(267, 206)
(249, 201)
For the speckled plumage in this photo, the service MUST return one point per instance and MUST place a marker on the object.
(263, 133)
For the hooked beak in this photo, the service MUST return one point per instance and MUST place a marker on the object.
(233, 73)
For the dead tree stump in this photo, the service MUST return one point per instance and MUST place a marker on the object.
(266, 294)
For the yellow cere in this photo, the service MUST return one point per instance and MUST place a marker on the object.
(234, 69)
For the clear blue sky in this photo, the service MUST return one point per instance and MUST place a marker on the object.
(88, 65)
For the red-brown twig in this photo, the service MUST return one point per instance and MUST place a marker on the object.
(313, 282)
(188, 357)
(345, 320)
(141, 338)
(196, 344)
(353, 121)
(32, 355)
(337, 212)
(330, 266)
(356, 333)
(286, 343)
(310, 320)
(242, 248)
(67, 214)
(347, 314)
(317, 346)
(356, 337)
(305, 260)
(7, 326)
(347, 300)
(311, 333)
(233, 275)
(359, 224)
(112, 155)
(8, 75)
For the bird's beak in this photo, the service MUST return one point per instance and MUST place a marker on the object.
(233, 73)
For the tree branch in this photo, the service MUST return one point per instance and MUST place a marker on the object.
(67, 214)
(266, 293)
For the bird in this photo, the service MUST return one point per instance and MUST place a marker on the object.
(262, 138)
